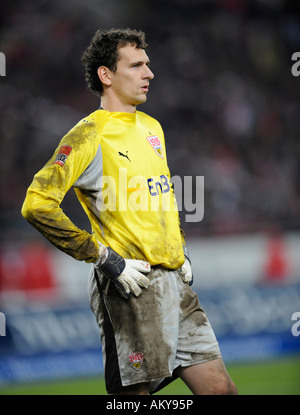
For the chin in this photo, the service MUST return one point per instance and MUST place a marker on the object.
(142, 100)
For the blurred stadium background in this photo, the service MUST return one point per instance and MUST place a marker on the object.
(229, 103)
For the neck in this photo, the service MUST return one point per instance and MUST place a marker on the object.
(111, 106)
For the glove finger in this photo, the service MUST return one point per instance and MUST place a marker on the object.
(142, 266)
(133, 286)
(141, 279)
(135, 289)
(186, 278)
(186, 272)
(123, 288)
(183, 270)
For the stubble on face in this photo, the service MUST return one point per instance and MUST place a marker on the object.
(130, 82)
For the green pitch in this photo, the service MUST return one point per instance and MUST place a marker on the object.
(276, 377)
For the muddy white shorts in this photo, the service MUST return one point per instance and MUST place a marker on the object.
(145, 338)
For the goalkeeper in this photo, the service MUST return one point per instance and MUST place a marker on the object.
(153, 328)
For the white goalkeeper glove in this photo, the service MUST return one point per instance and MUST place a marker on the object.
(186, 269)
(126, 274)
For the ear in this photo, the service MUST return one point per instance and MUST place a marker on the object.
(104, 75)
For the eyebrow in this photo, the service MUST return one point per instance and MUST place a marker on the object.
(141, 63)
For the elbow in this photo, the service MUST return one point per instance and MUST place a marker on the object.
(26, 211)
(29, 209)
(36, 208)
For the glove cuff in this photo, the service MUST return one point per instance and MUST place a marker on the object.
(113, 265)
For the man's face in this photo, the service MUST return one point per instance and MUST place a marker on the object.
(130, 82)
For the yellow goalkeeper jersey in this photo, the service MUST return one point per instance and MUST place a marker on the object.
(117, 164)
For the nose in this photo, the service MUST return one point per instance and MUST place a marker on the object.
(148, 73)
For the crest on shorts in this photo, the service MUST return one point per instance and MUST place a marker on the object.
(62, 155)
(155, 143)
(136, 360)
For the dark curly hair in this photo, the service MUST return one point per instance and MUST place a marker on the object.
(103, 51)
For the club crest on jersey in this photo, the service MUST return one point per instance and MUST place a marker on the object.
(136, 360)
(62, 155)
(154, 141)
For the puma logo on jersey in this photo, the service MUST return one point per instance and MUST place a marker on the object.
(124, 155)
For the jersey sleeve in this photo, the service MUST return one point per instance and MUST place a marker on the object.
(41, 207)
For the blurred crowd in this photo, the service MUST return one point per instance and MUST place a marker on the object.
(223, 92)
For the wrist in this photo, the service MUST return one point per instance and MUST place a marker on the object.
(111, 264)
